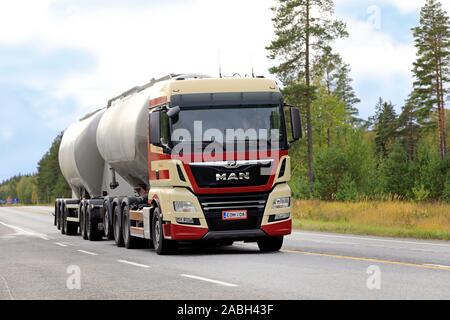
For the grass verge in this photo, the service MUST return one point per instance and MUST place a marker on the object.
(390, 219)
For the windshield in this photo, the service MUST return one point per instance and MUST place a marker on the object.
(222, 125)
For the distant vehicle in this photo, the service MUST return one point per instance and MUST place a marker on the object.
(2, 202)
(128, 183)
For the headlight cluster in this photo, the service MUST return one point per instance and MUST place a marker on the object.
(184, 206)
(282, 203)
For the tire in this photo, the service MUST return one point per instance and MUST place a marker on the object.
(129, 241)
(107, 222)
(118, 236)
(83, 221)
(161, 245)
(56, 213)
(270, 244)
(58, 216)
(92, 220)
(62, 219)
(70, 227)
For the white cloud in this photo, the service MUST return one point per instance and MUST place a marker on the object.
(374, 54)
(133, 45)
(403, 6)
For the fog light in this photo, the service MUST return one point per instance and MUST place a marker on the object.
(185, 220)
(184, 206)
(282, 216)
(282, 203)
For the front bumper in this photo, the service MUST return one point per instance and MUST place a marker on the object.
(187, 233)
(211, 226)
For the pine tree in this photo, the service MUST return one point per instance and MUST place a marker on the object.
(385, 122)
(331, 72)
(410, 126)
(300, 36)
(397, 173)
(432, 68)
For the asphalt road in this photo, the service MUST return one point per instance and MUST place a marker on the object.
(37, 262)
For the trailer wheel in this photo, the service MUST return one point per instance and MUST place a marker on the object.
(58, 215)
(93, 234)
(129, 241)
(63, 219)
(107, 222)
(161, 245)
(270, 244)
(70, 227)
(82, 215)
(117, 227)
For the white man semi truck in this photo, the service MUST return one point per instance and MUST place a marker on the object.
(182, 159)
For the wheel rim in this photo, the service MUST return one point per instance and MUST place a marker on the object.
(106, 224)
(157, 233)
(125, 225)
(88, 224)
(116, 226)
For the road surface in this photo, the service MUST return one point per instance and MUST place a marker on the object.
(37, 262)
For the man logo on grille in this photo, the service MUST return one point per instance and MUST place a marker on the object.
(233, 176)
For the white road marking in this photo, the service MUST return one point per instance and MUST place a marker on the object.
(370, 239)
(134, 264)
(60, 244)
(87, 252)
(23, 232)
(209, 280)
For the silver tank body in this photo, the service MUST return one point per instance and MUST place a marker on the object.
(79, 158)
(122, 138)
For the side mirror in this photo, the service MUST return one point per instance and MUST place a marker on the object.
(296, 124)
(155, 128)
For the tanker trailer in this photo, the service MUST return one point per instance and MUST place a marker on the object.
(129, 184)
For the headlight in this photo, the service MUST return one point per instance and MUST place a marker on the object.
(184, 206)
(282, 203)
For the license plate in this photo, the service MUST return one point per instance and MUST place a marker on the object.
(234, 215)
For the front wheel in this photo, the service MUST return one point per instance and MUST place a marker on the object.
(270, 244)
(162, 246)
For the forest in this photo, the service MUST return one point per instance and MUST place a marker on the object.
(400, 154)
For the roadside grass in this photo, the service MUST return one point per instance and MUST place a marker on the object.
(378, 218)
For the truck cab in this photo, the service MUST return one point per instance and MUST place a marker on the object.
(219, 163)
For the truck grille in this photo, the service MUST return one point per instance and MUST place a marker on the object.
(213, 206)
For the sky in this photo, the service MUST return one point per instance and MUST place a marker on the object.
(60, 59)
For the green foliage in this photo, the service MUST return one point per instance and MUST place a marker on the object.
(397, 173)
(446, 192)
(432, 67)
(385, 125)
(42, 187)
(51, 183)
(300, 35)
(420, 193)
(348, 190)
